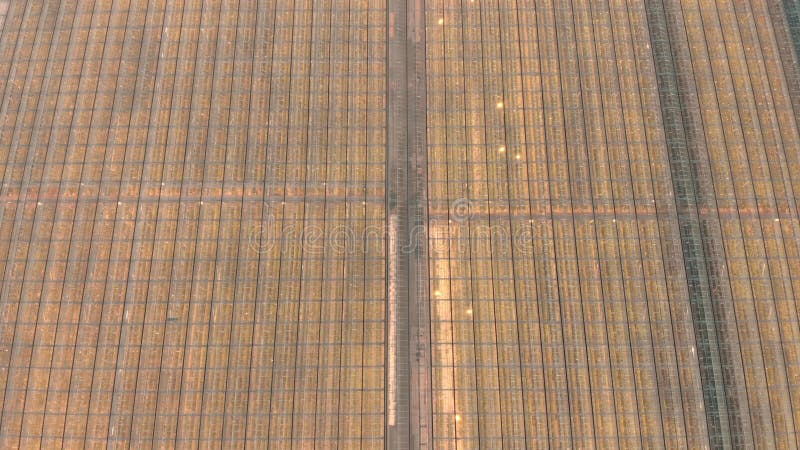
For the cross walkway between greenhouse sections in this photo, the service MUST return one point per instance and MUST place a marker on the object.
(400, 223)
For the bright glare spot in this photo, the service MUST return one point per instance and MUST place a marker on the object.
(437, 293)
(469, 311)
(499, 105)
(777, 220)
(501, 149)
(441, 21)
(519, 156)
(458, 418)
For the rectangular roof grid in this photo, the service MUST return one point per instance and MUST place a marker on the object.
(605, 247)
(399, 223)
(158, 158)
